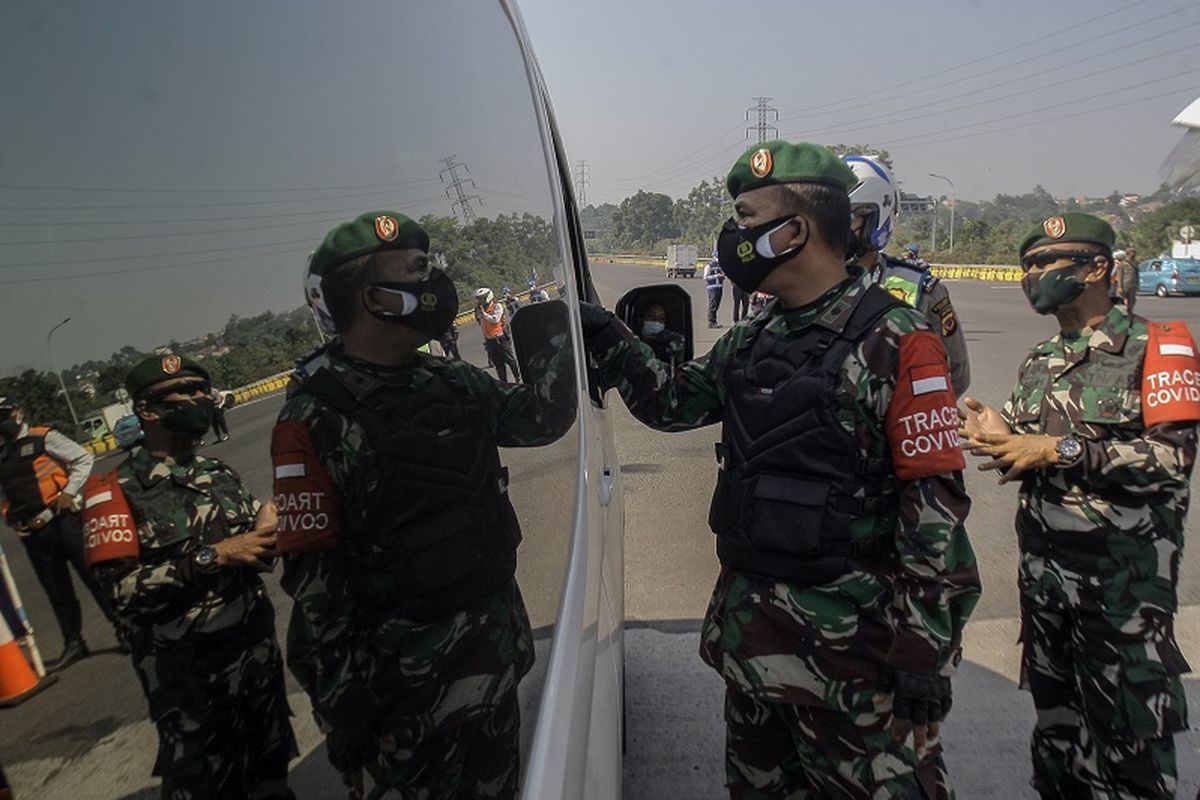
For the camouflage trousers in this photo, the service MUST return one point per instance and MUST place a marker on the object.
(478, 760)
(224, 727)
(1107, 693)
(776, 751)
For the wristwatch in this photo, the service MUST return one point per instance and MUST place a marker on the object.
(205, 559)
(1069, 451)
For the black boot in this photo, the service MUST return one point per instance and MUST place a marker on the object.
(73, 650)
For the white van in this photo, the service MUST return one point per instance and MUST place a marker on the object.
(184, 159)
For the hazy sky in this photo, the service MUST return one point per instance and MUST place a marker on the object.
(165, 165)
(653, 94)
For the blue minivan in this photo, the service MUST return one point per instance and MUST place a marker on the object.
(1165, 276)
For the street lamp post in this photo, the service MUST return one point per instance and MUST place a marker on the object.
(953, 203)
(58, 374)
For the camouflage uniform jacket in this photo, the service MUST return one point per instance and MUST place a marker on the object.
(1116, 518)
(421, 676)
(179, 616)
(824, 645)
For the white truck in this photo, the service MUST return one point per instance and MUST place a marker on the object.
(102, 423)
(681, 260)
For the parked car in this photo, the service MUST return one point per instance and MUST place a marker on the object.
(1167, 276)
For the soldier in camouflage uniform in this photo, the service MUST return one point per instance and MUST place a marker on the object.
(846, 575)
(1100, 432)
(408, 632)
(178, 542)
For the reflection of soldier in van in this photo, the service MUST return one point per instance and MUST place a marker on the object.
(409, 632)
(668, 345)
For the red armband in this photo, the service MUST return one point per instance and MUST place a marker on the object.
(305, 497)
(922, 421)
(1170, 375)
(109, 530)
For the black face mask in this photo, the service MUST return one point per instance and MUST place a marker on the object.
(190, 417)
(429, 305)
(745, 254)
(9, 429)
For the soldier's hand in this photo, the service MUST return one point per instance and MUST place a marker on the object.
(1015, 454)
(919, 704)
(247, 549)
(268, 516)
(979, 418)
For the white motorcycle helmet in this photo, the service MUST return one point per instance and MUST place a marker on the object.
(876, 195)
(315, 298)
(484, 296)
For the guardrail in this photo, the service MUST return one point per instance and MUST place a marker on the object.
(278, 382)
(981, 272)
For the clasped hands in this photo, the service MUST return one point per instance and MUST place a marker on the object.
(985, 433)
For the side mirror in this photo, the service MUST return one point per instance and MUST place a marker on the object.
(674, 299)
(534, 328)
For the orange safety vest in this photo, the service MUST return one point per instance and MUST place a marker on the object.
(491, 330)
(31, 479)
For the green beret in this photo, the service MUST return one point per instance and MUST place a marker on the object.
(155, 369)
(784, 162)
(1069, 229)
(368, 233)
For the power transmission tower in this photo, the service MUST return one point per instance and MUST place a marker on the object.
(583, 179)
(763, 111)
(460, 200)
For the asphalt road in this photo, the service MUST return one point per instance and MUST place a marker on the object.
(86, 736)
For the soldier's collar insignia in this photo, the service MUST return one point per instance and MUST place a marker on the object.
(171, 364)
(761, 163)
(1055, 227)
(387, 228)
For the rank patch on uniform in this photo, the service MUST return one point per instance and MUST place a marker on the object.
(922, 419)
(1055, 227)
(761, 162)
(171, 364)
(387, 228)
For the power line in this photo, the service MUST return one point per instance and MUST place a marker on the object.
(1075, 26)
(143, 190)
(764, 111)
(1040, 87)
(461, 201)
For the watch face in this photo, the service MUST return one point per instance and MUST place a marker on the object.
(206, 556)
(1070, 448)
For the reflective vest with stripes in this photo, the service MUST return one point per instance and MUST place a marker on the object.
(31, 478)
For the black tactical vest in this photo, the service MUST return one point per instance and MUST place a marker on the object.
(791, 479)
(19, 478)
(428, 523)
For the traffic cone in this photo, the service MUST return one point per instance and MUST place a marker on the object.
(17, 681)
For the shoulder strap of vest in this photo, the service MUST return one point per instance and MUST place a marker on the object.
(39, 431)
(872, 305)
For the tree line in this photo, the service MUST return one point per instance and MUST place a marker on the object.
(507, 250)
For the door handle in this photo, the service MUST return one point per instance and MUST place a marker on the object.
(605, 490)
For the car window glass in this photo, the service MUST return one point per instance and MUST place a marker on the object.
(163, 186)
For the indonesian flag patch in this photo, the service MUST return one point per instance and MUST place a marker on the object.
(1170, 375)
(922, 420)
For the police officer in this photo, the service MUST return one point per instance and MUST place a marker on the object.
(1100, 433)
(875, 202)
(714, 286)
(408, 631)
(493, 321)
(846, 575)
(41, 476)
(179, 542)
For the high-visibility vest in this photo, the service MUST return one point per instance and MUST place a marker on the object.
(31, 478)
(490, 329)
